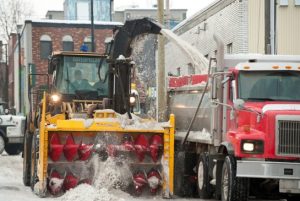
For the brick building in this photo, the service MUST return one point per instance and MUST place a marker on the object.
(39, 38)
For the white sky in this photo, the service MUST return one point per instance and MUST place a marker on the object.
(40, 7)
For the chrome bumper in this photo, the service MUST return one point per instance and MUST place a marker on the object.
(267, 169)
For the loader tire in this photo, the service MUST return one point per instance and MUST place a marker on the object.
(13, 149)
(33, 168)
(27, 158)
(204, 187)
(233, 188)
(2, 144)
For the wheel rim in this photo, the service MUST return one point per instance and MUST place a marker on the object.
(2, 144)
(200, 175)
(225, 183)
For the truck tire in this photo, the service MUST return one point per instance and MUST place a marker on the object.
(2, 144)
(233, 188)
(13, 149)
(204, 187)
(179, 173)
(27, 158)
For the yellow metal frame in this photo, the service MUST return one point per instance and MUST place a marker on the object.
(98, 126)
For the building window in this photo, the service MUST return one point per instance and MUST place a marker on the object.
(284, 2)
(68, 44)
(191, 69)
(297, 2)
(88, 42)
(229, 48)
(45, 46)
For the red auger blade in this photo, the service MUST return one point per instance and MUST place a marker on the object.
(55, 147)
(70, 148)
(141, 146)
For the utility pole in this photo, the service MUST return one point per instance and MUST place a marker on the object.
(161, 84)
(92, 27)
(273, 26)
(6, 73)
(168, 15)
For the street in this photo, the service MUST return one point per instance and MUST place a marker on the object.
(12, 188)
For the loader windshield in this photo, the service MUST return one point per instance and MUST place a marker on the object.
(269, 85)
(77, 74)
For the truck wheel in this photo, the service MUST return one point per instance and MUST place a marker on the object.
(2, 144)
(233, 188)
(204, 187)
(13, 149)
(27, 158)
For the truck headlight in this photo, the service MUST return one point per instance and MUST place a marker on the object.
(248, 146)
(252, 146)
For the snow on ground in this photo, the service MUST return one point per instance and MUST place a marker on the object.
(12, 188)
(11, 183)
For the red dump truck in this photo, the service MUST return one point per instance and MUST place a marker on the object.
(245, 137)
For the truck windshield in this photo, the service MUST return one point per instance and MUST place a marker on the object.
(80, 74)
(267, 85)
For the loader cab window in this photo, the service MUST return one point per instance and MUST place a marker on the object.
(269, 85)
(77, 73)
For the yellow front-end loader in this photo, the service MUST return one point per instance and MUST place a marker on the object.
(86, 115)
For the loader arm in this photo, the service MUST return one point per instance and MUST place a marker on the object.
(121, 46)
(128, 32)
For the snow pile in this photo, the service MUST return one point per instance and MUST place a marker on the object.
(126, 123)
(111, 174)
(89, 193)
(203, 135)
(139, 123)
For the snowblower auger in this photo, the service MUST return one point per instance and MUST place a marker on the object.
(67, 147)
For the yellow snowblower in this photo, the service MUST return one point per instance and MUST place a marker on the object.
(86, 114)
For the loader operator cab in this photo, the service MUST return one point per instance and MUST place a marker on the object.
(75, 75)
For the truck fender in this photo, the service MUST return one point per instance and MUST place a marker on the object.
(226, 148)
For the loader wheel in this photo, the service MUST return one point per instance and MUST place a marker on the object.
(233, 188)
(13, 149)
(33, 169)
(27, 158)
(204, 187)
(2, 144)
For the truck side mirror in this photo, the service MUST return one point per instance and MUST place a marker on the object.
(239, 104)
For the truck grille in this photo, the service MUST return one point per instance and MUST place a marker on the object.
(288, 137)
